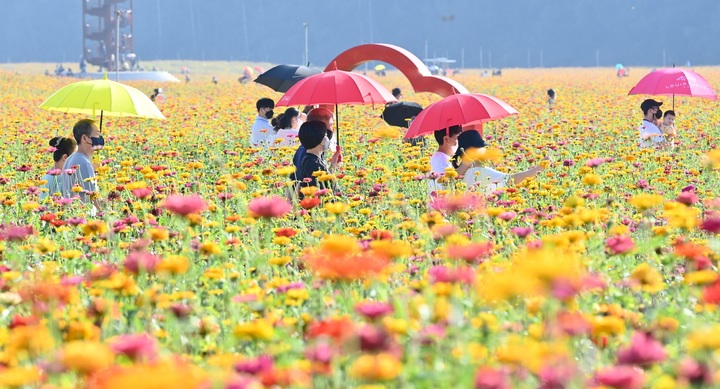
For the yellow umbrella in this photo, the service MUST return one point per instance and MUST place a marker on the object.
(380, 67)
(109, 97)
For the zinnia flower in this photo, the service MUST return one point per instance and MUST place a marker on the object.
(135, 346)
(643, 350)
(621, 377)
(269, 207)
(620, 245)
(373, 309)
(184, 205)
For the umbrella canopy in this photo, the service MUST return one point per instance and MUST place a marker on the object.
(459, 109)
(336, 87)
(259, 69)
(104, 96)
(248, 71)
(618, 66)
(283, 77)
(674, 81)
(380, 67)
(399, 114)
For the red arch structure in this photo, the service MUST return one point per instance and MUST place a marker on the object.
(411, 66)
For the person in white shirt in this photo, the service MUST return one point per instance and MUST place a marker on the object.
(650, 134)
(261, 133)
(481, 177)
(288, 125)
(447, 140)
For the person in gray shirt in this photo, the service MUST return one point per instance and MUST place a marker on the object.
(78, 176)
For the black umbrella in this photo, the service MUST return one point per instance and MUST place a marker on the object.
(399, 114)
(283, 77)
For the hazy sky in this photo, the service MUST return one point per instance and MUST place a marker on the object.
(508, 32)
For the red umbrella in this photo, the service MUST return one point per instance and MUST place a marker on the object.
(674, 81)
(459, 109)
(336, 87)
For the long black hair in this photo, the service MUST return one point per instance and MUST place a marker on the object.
(467, 140)
(285, 120)
(63, 146)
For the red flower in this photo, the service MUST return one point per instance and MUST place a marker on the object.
(620, 245)
(269, 207)
(287, 231)
(309, 202)
(184, 205)
(381, 235)
(711, 294)
(336, 329)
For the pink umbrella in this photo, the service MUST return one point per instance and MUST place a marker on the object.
(458, 109)
(336, 87)
(674, 81)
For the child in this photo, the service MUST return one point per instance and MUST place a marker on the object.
(64, 147)
(668, 126)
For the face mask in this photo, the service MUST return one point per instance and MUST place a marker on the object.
(454, 149)
(326, 143)
(299, 122)
(98, 143)
(269, 114)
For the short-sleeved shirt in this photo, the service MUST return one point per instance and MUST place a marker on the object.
(54, 185)
(439, 162)
(83, 170)
(649, 128)
(261, 132)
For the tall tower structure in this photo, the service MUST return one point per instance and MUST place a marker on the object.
(100, 31)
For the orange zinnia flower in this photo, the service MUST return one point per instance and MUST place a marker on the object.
(346, 267)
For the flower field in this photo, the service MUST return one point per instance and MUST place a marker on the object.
(602, 271)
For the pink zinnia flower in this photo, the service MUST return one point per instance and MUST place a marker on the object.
(643, 350)
(254, 366)
(269, 207)
(472, 252)
(14, 233)
(142, 193)
(141, 260)
(373, 309)
(595, 162)
(620, 245)
(54, 172)
(489, 378)
(447, 204)
(621, 377)
(449, 275)
(687, 198)
(184, 205)
(507, 216)
(135, 346)
(522, 232)
(711, 224)
(322, 352)
(556, 376)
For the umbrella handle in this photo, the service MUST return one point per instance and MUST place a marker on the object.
(101, 118)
